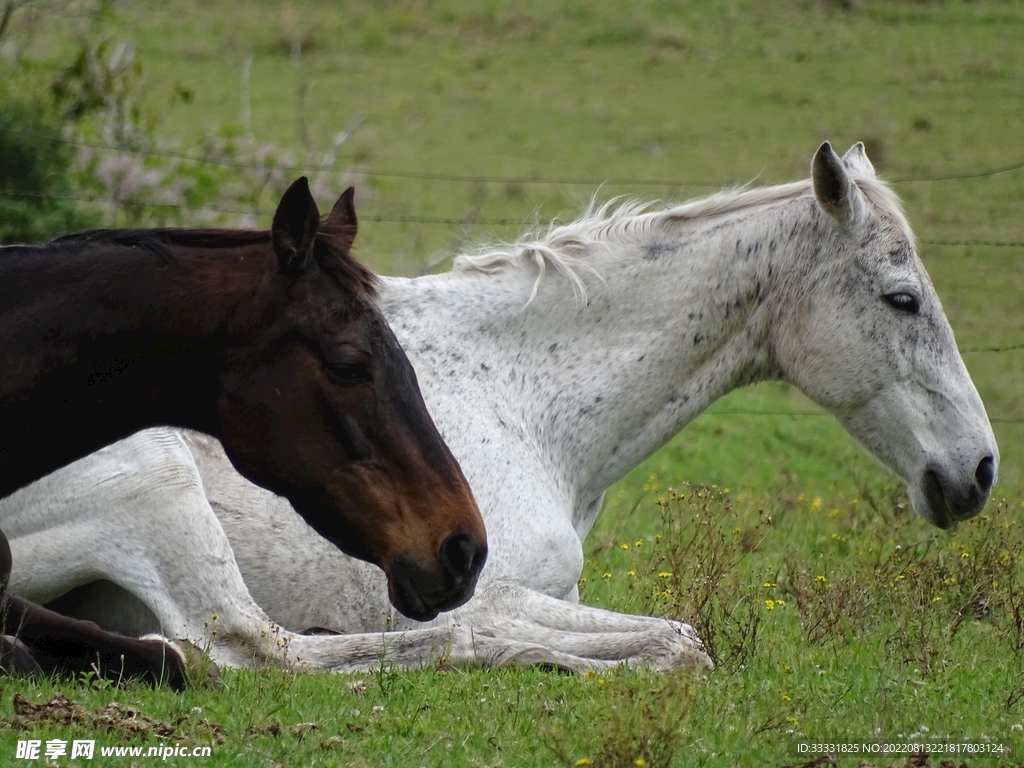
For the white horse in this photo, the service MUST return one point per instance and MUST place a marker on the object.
(552, 367)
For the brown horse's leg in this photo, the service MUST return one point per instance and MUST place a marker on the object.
(70, 646)
(15, 658)
(61, 645)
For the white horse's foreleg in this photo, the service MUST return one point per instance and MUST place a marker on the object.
(459, 646)
(516, 613)
(135, 515)
(509, 620)
(510, 625)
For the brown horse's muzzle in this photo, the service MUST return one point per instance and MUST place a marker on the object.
(421, 593)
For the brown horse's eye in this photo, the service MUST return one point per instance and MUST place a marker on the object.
(350, 373)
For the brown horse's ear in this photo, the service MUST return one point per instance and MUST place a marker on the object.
(341, 221)
(294, 229)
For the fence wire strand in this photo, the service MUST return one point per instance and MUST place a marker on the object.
(465, 178)
(383, 218)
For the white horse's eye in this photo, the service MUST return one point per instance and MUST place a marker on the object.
(904, 302)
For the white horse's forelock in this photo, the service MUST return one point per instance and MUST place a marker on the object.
(564, 248)
(884, 199)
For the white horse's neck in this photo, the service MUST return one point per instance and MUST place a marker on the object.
(679, 318)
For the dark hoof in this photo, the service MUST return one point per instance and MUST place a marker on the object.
(164, 662)
(17, 659)
(200, 668)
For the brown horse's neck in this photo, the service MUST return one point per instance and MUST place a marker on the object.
(100, 340)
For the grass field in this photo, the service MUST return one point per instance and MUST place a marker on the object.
(846, 617)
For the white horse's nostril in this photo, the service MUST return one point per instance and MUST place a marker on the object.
(985, 474)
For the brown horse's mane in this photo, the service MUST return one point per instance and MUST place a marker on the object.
(330, 254)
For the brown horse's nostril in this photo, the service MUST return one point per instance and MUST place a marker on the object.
(985, 474)
(462, 557)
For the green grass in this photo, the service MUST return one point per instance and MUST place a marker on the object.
(700, 91)
(831, 622)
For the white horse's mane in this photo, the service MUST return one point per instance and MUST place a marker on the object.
(562, 248)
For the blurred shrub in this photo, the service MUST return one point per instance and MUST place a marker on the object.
(86, 151)
(36, 191)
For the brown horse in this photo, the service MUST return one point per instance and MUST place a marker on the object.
(269, 341)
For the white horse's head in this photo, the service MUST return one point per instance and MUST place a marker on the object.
(863, 334)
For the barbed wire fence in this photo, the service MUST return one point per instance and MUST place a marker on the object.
(385, 218)
(475, 178)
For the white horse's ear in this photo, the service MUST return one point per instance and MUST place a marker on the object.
(837, 195)
(856, 161)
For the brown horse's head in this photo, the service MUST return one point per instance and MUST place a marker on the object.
(327, 413)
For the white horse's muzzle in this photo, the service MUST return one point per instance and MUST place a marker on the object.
(945, 498)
